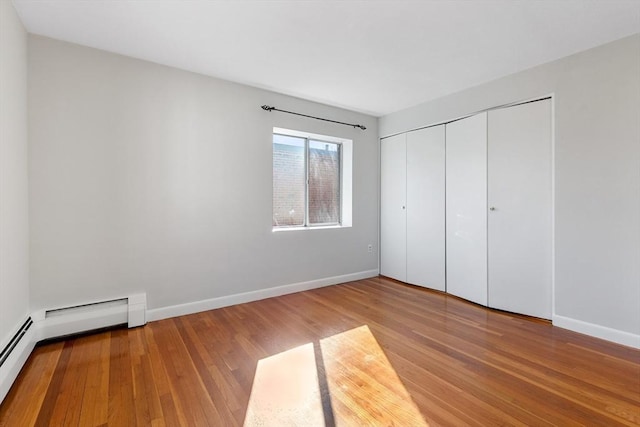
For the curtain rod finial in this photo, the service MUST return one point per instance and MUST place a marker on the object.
(267, 108)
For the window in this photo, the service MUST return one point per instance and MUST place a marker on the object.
(309, 180)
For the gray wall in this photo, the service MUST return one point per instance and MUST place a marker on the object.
(152, 179)
(14, 225)
(597, 173)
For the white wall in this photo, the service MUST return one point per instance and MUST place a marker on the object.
(597, 177)
(14, 225)
(145, 178)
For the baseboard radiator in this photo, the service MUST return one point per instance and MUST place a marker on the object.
(13, 343)
(65, 321)
(14, 355)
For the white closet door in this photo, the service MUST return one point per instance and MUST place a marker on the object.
(519, 184)
(425, 208)
(466, 199)
(393, 219)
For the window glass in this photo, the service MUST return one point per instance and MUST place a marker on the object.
(289, 181)
(324, 182)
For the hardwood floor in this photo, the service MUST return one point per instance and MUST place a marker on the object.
(371, 352)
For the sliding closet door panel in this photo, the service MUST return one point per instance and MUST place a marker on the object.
(393, 220)
(425, 208)
(519, 184)
(466, 201)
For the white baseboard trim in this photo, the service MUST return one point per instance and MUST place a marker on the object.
(16, 360)
(225, 301)
(603, 332)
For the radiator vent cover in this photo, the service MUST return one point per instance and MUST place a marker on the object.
(6, 351)
(84, 308)
(60, 322)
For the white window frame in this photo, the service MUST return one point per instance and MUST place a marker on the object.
(346, 161)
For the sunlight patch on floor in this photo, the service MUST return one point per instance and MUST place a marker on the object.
(285, 391)
(364, 387)
(346, 380)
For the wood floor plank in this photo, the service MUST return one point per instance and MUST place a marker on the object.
(37, 377)
(120, 396)
(94, 408)
(201, 359)
(49, 405)
(457, 362)
(160, 380)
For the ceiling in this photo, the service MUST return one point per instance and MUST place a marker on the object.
(373, 56)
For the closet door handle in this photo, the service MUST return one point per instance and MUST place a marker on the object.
(492, 208)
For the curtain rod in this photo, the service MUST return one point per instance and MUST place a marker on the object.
(268, 108)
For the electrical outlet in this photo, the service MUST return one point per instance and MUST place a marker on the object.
(370, 248)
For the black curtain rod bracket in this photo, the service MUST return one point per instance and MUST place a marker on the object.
(268, 108)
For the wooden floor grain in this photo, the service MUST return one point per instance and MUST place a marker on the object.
(382, 353)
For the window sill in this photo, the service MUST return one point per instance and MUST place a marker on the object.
(319, 227)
